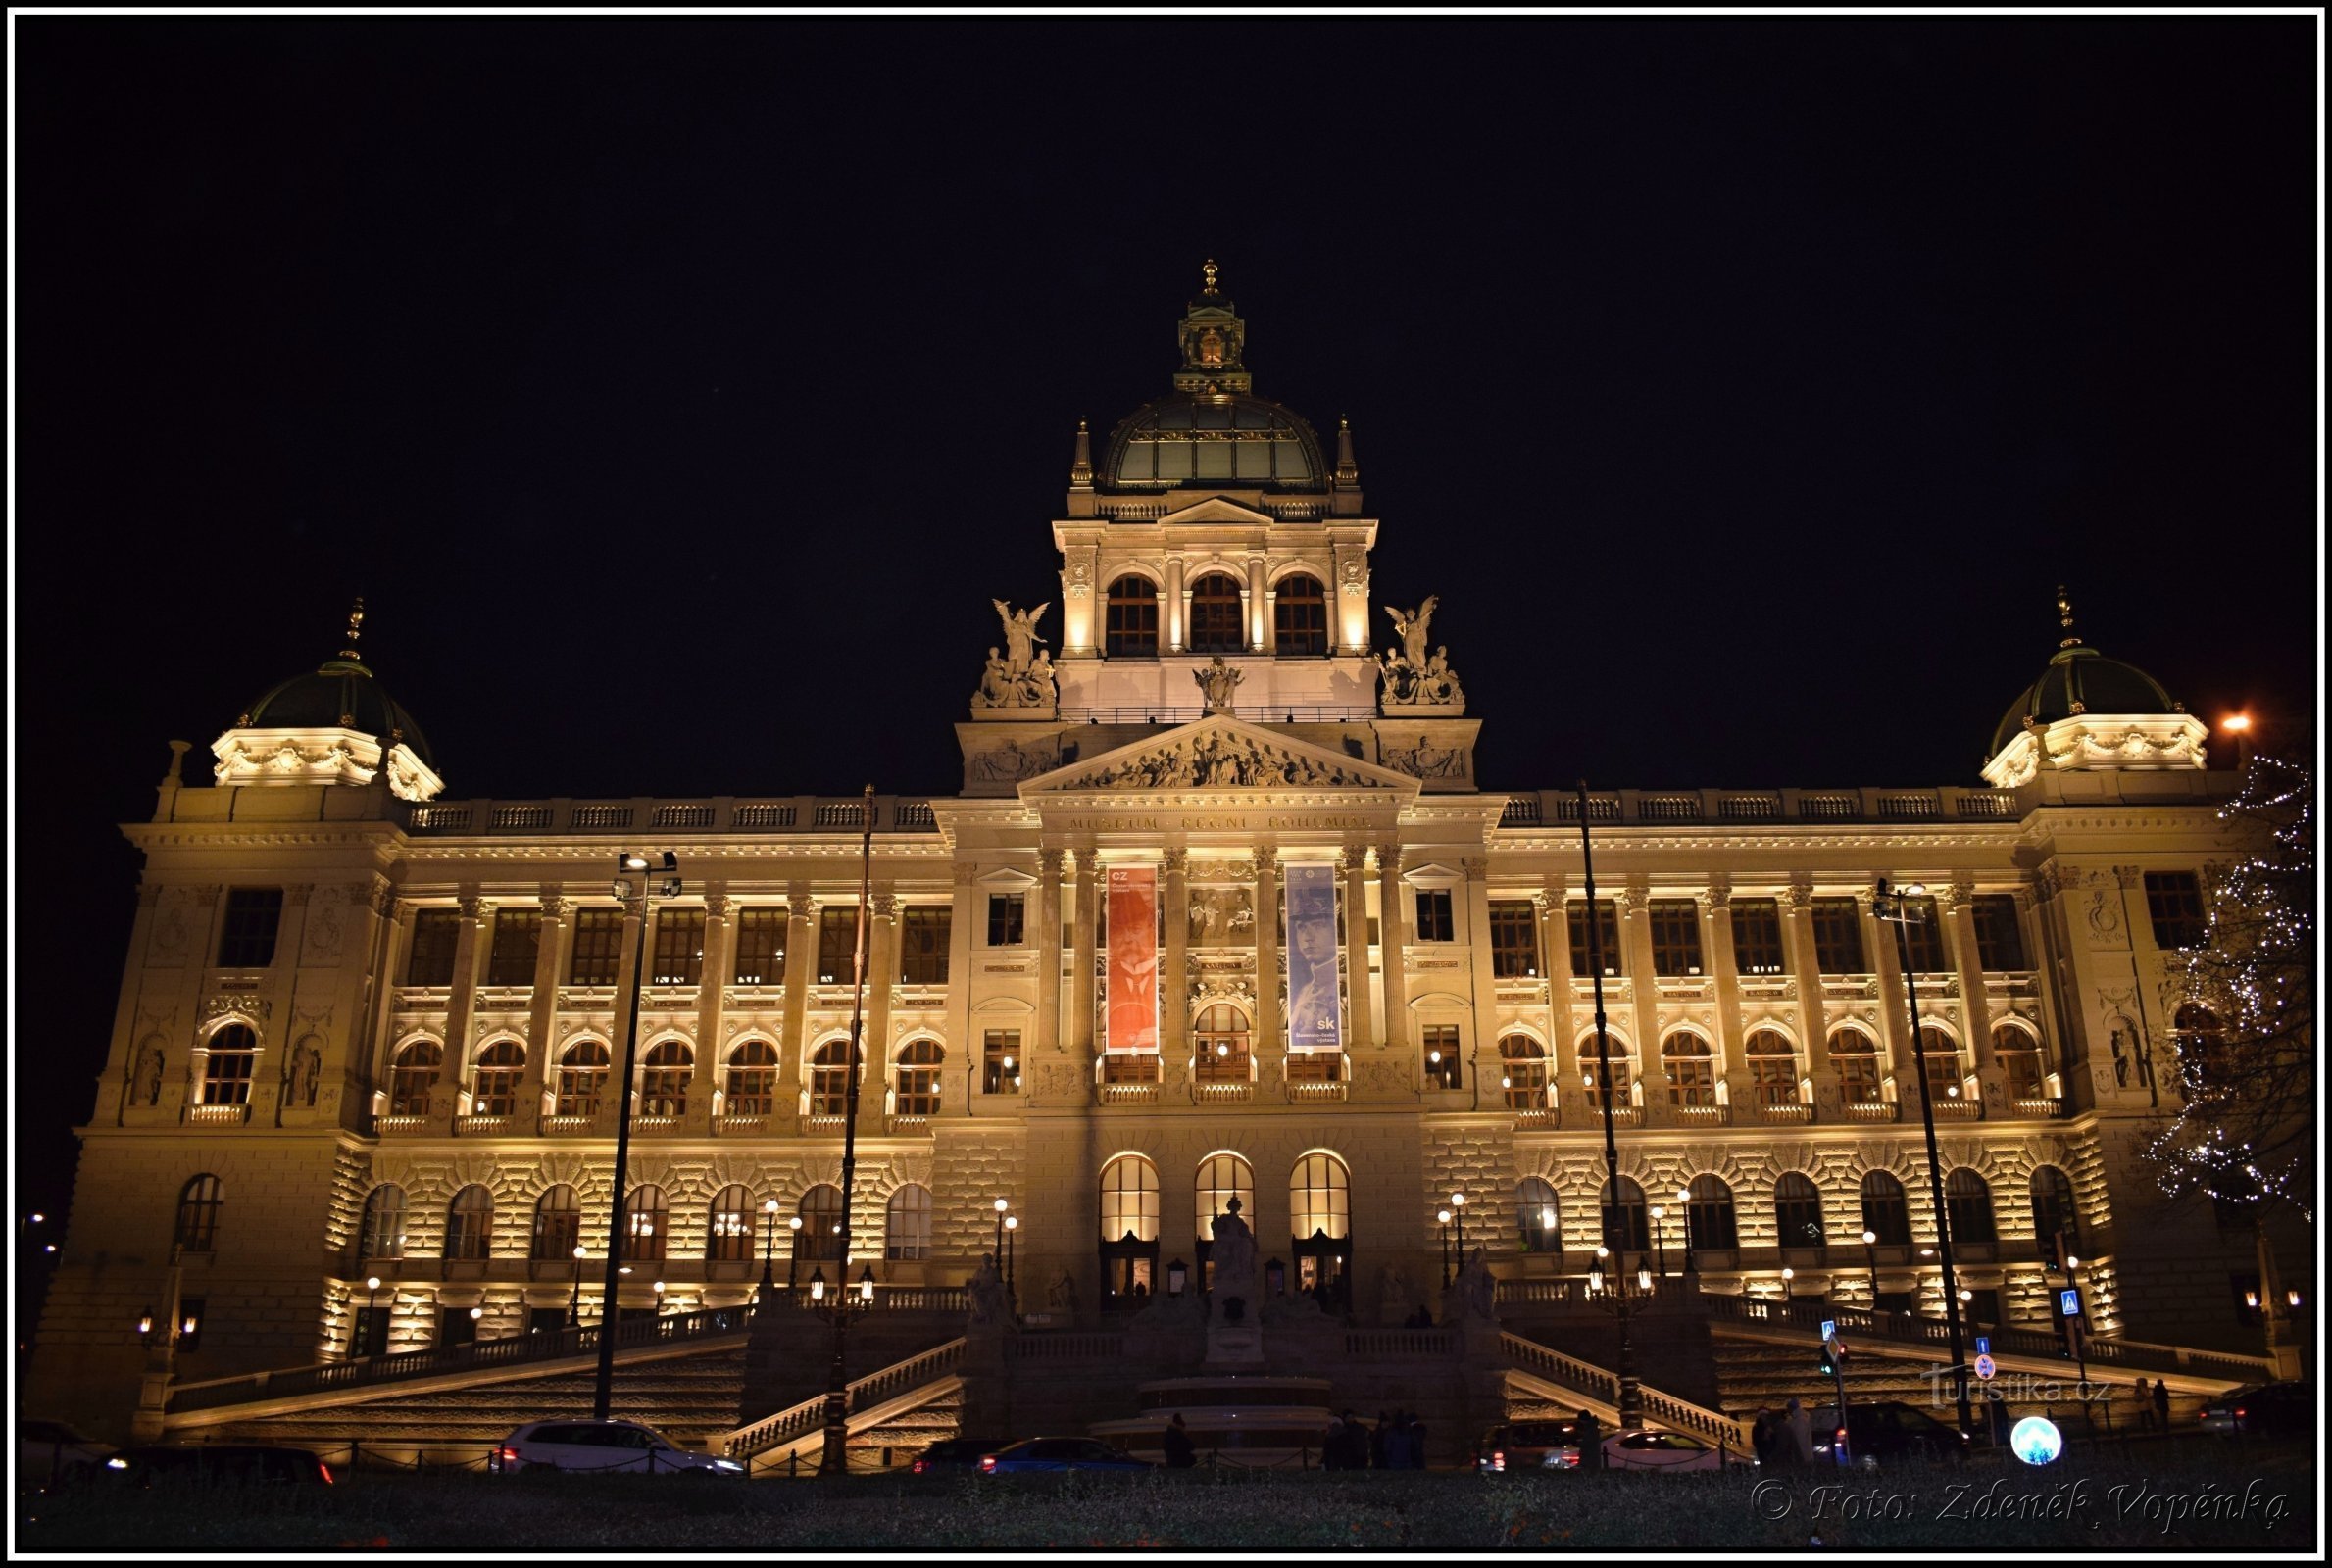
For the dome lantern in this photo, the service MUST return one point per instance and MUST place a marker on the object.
(333, 725)
(2090, 712)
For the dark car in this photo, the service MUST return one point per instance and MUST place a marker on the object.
(2261, 1410)
(1521, 1445)
(51, 1454)
(217, 1464)
(1059, 1453)
(957, 1453)
(1883, 1432)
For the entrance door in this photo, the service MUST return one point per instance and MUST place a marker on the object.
(1128, 1273)
(1323, 1269)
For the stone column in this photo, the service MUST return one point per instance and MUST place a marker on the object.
(1482, 1048)
(712, 1002)
(1717, 942)
(1170, 615)
(462, 997)
(1048, 957)
(1552, 912)
(1878, 944)
(1797, 918)
(1392, 929)
(1083, 990)
(388, 939)
(963, 1059)
(1257, 607)
(553, 938)
(801, 962)
(1355, 942)
(1173, 970)
(1635, 941)
(1959, 910)
(1270, 1043)
(882, 968)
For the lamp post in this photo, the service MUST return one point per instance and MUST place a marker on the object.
(1893, 907)
(659, 1289)
(2239, 726)
(1631, 1393)
(634, 879)
(1012, 1240)
(768, 1248)
(575, 1297)
(834, 1457)
(1660, 1236)
(1444, 1218)
(793, 1253)
(372, 1314)
(1684, 1222)
(1000, 1207)
(1787, 1274)
(1870, 1256)
(1458, 1207)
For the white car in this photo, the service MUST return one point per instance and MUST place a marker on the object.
(1667, 1450)
(583, 1447)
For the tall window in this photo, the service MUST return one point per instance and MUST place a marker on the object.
(1708, 1221)
(1627, 1224)
(557, 1225)
(517, 942)
(1129, 1199)
(837, 946)
(728, 1239)
(1757, 936)
(760, 945)
(199, 1201)
(679, 956)
(1541, 1219)
(1008, 919)
(1884, 1211)
(499, 1067)
(1692, 1072)
(663, 1079)
(231, 1058)
(1838, 937)
(582, 1076)
(830, 1078)
(922, 945)
(436, 934)
(1000, 1061)
(384, 1233)
(2201, 1042)
(1217, 620)
(1320, 1198)
(598, 948)
(752, 1087)
(1999, 935)
(1523, 1065)
(1443, 1067)
(906, 1223)
(1222, 1051)
(1855, 1055)
(1437, 919)
(470, 1225)
(1606, 936)
(1129, 626)
(1514, 939)
(916, 1080)
(647, 1224)
(1797, 1211)
(2052, 1209)
(1967, 1205)
(1592, 1067)
(1299, 616)
(1923, 936)
(1942, 1055)
(820, 1241)
(2175, 905)
(413, 1077)
(1772, 1067)
(1676, 937)
(1221, 1177)
(2019, 1056)
(247, 936)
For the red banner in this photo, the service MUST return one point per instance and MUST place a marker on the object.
(1132, 973)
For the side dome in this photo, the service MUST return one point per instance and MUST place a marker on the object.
(334, 724)
(338, 694)
(2081, 681)
(2088, 712)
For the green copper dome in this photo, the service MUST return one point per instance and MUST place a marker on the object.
(2081, 681)
(339, 692)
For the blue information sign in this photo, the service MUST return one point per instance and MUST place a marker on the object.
(1829, 1327)
(2069, 1302)
(1983, 1344)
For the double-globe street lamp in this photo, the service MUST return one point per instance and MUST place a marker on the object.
(1618, 1303)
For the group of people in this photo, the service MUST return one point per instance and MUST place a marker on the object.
(1784, 1438)
(1396, 1442)
(2154, 1406)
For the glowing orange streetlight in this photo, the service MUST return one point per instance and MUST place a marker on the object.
(2239, 726)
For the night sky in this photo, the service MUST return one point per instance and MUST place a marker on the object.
(679, 391)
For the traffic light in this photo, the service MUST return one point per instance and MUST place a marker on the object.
(2052, 1251)
(1828, 1362)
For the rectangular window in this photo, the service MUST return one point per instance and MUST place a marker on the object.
(1437, 920)
(1000, 1061)
(1591, 1073)
(1838, 937)
(760, 945)
(679, 956)
(922, 945)
(518, 938)
(1858, 1078)
(1008, 919)
(370, 1335)
(598, 948)
(1442, 1067)
(1999, 935)
(837, 946)
(435, 934)
(1514, 939)
(1676, 937)
(247, 939)
(1606, 933)
(1757, 936)
(226, 1070)
(2174, 902)
(1923, 936)
(455, 1326)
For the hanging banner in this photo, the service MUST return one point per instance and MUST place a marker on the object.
(1315, 1019)
(1131, 1023)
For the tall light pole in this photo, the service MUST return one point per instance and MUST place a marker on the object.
(1870, 1256)
(373, 1315)
(1660, 1236)
(1631, 1393)
(834, 1458)
(1444, 1218)
(1458, 1207)
(633, 880)
(769, 1249)
(1011, 1245)
(793, 1253)
(1001, 1205)
(575, 1297)
(1684, 1221)
(1893, 907)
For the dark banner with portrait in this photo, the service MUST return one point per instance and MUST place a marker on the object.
(1131, 1023)
(1314, 1017)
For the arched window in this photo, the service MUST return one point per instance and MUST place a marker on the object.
(821, 1238)
(233, 1056)
(1299, 616)
(1968, 1205)
(664, 1078)
(384, 1233)
(730, 1236)
(1320, 1198)
(1591, 1071)
(1691, 1076)
(2201, 1042)
(906, 1223)
(557, 1225)
(1627, 1224)
(830, 1078)
(1221, 1177)
(1216, 623)
(1222, 1049)
(1855, 1054)
(1523, 1072)
(198, 1215)
(647, 1224)
(499, 1067)
(2053, 1208)
(2018, 1054)
(1541, 1219)
(1129, 1199)
(1129, 623)
(752, 1080)
(582, 1075)
(1941, 1054)
(1797, 1211)
(470, 1226)
(1708, 1221)
(1772, 1067)
(918, 1078)
(1884, 1211)
(413, 1076)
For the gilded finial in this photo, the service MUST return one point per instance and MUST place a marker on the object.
(1343, 423)
(1210, 270)
(356, 627)
(2064, 618)
(1080, 427)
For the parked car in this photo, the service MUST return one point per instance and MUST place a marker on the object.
(2263, 1409)
(1885, 1431)
(216, 1463)
(1667, 1450)
(1059, 1453)
(956, 1453)
(1522, 1446)
(586, 1446)
(52, 1454)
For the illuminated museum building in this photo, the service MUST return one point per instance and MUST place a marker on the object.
(368, 1030)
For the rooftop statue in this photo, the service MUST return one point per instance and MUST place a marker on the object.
(1020, 632)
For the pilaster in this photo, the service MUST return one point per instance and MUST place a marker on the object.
(882, 968)
(553, 939)
(1797, 914)
(1049, 866)
(1173, 990)
(462, 999)
(1356, 943)
(801, 959)
(1393, 939)
(1481, 1051)
(712, 1003)
(1957, 908)
(1635, 939)
(1270, 1035)
(1716, 939)
(1082, 990)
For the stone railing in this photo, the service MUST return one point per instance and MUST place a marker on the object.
(1164, 713)
(217, 1116)
(1066, 1345)
(1585, 1377)
(718, 814)
(799, 1421)
(1657, 807)
(1872, 1110)
(1788, 1111)
(2048, 1109)
(1364, 1344)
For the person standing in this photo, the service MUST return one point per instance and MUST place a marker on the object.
(1761, 1439)
(2145, 1408)
(1590, 1433)
(1181, 1452)
(2162, 1402)
(1798, 1448)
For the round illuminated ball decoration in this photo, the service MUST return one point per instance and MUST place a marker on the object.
(2036, 1439)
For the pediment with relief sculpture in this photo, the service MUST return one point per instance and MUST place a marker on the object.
(1219, 754)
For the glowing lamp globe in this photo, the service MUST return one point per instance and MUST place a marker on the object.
(2036, 1439)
